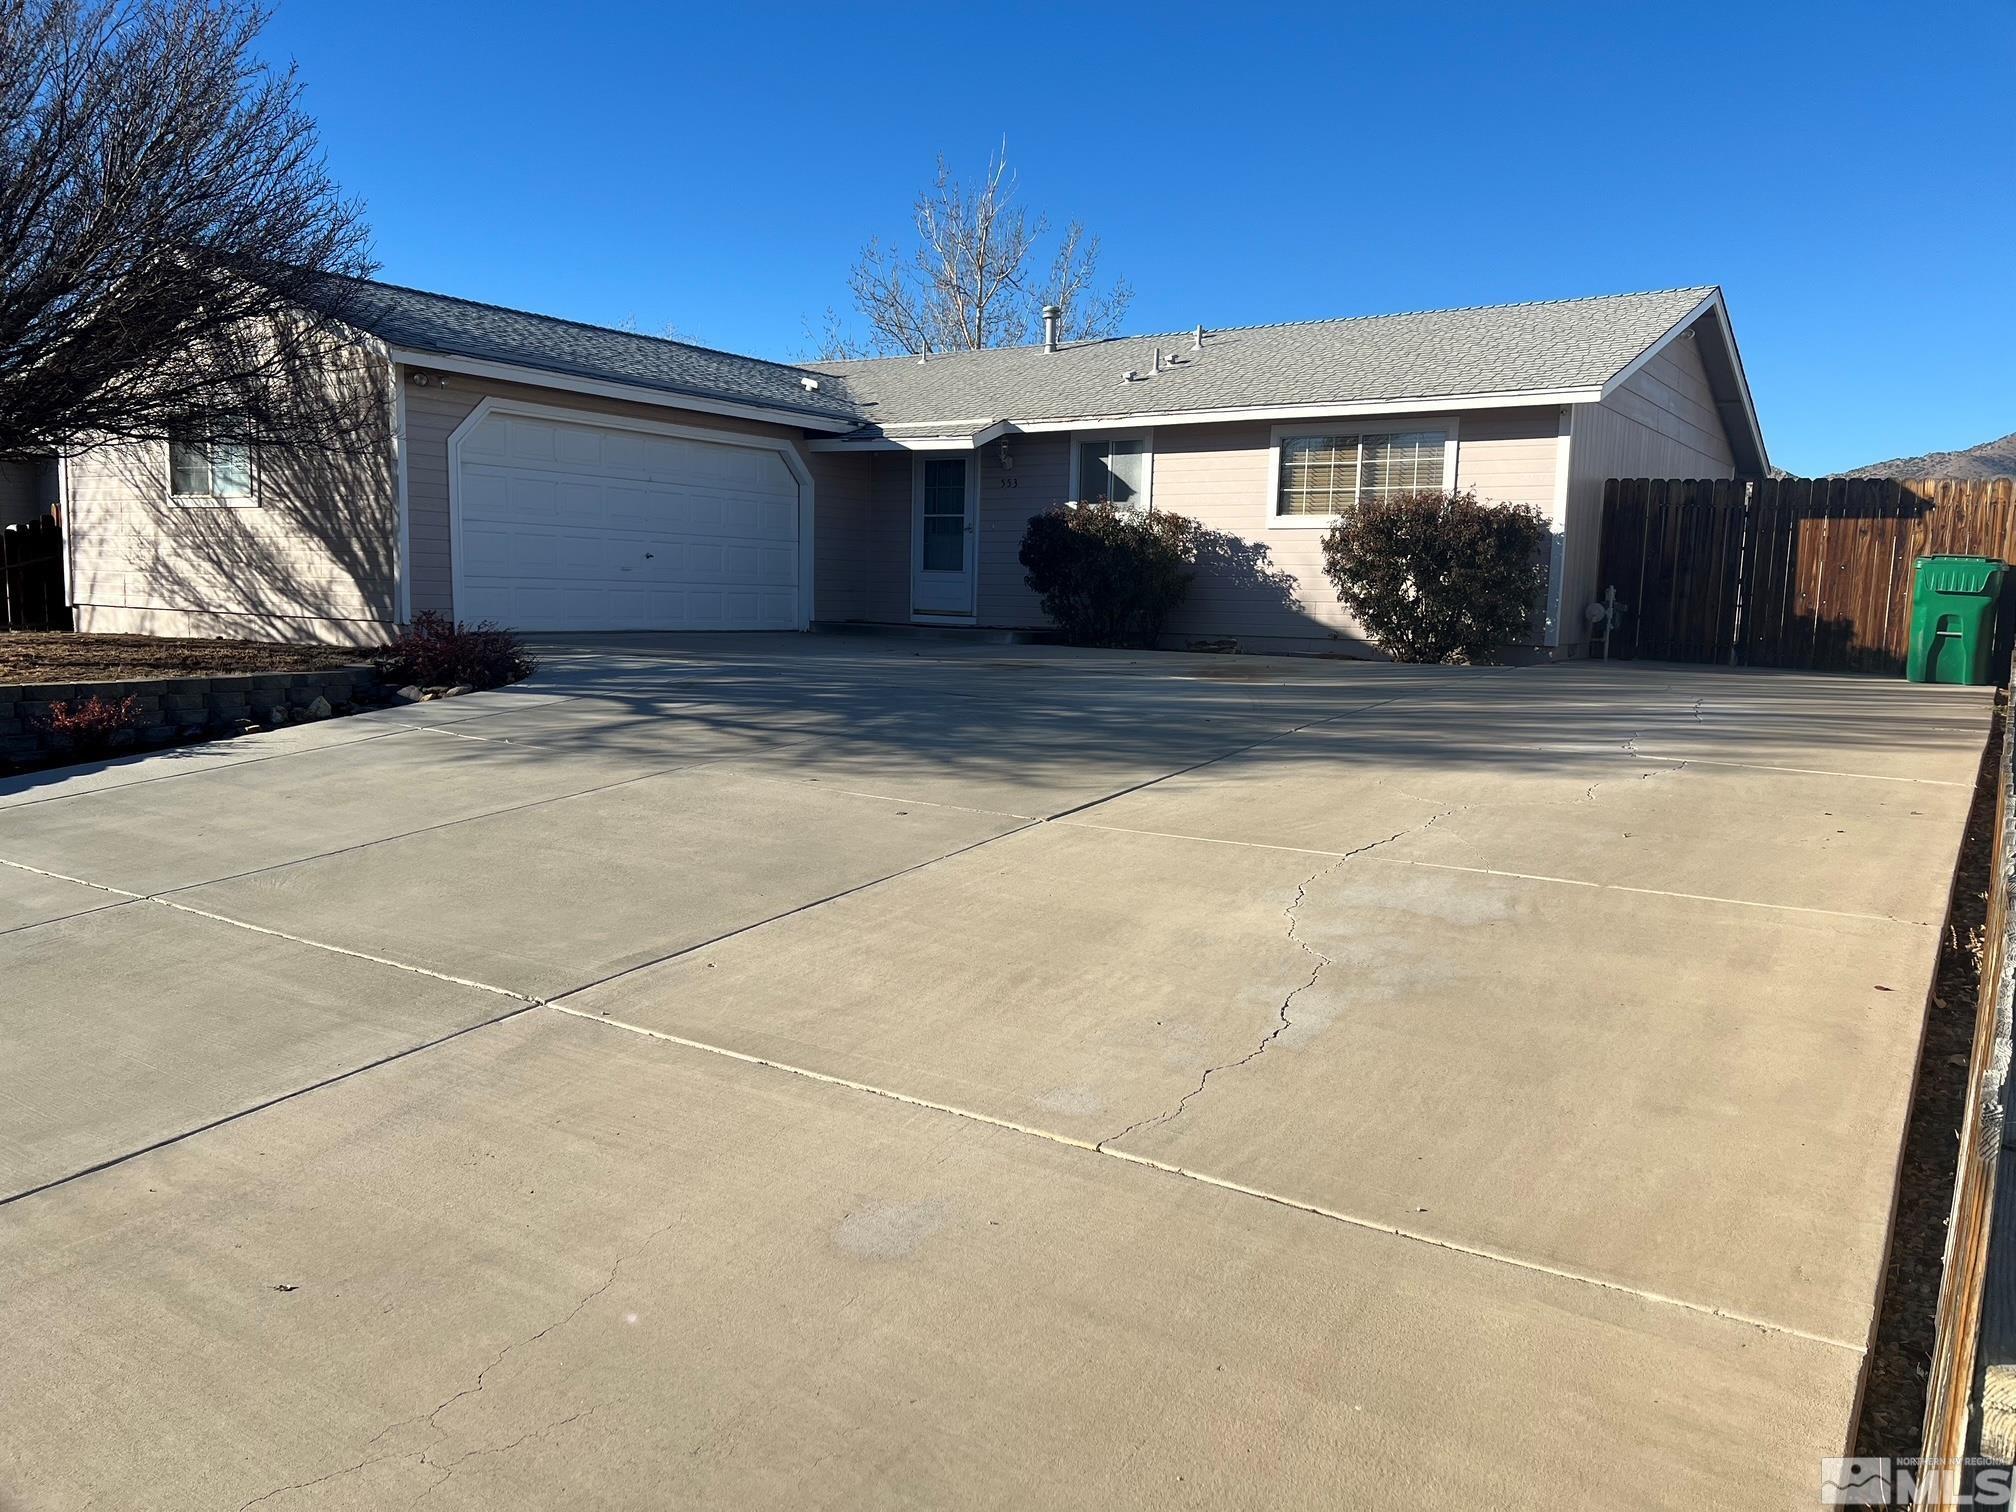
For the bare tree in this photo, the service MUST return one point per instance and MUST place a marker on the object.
(973, 279)
(173, 254)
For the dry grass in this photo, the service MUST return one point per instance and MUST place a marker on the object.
(30, 656)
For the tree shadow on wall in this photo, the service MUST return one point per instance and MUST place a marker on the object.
(319, 539)
(1238, 582)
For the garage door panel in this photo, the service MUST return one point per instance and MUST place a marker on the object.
(569, 526)
(637, 508)
(577, 445)
(528, 441)
(486, 442)
(572, 501)
(531, 498)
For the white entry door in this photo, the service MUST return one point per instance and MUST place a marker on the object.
(571, 525)
(943, 539)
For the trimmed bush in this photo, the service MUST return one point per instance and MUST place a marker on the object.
(1109, 576)
(1438, 577)
(437, 652)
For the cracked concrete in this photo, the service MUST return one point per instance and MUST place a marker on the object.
(1070, 1313)
(1284, 1014)
(423, 1457)
(846, 1211)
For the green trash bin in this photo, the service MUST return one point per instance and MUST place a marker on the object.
(1953, 602)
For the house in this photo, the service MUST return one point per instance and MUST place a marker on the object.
(551, 475)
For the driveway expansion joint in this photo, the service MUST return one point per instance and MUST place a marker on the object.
(1109, 1151)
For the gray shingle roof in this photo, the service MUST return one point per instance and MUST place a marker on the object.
(1494, 349)
(1508, 349)
(464, 328)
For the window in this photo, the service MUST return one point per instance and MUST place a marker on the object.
(944, 548)
(210, 472)
(1115, 468)
(1321, 474)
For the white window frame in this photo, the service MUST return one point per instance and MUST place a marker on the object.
(246, 500)
(1147, 440)
(1379, 425)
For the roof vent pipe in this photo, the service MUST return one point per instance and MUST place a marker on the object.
(1053, 318)
(1197, 339)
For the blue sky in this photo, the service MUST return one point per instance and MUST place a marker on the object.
(1842, 169)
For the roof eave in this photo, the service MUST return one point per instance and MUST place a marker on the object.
(1412, 404)
(667, 396)
(1726, 379)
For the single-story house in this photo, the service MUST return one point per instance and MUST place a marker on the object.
(551, 475)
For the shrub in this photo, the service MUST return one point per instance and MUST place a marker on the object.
(437, 652)
(94, 725)
(1109, 576)
(1436, 577)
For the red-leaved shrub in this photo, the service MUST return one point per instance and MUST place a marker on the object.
(93, 725)
(438, 652)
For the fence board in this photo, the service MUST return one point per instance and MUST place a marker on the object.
(1787, 572)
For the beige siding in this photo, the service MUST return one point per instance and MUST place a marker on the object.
(1661, 424)
(315, 559)
(1263, 582)
(865, 527)
(435, 409)
(1038, 477)
(861, 514)
(1260, 583)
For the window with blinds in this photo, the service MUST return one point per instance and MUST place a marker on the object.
(1324, 475)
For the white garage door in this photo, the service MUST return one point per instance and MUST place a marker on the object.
(568, 526)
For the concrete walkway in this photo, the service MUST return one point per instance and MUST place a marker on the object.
(777, 1072)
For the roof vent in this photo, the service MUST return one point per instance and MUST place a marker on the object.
(1129, 376)
(811, 385)
(1197, 339)
(1053, 320)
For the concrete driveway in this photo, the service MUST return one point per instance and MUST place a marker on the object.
(785, 1072)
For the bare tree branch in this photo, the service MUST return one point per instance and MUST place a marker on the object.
(968, 283)
(173, 254)
(1091, 313)
(832, 341)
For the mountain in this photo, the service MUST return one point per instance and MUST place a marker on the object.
(1991, 459)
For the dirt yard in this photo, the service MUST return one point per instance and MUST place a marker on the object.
(30, 656)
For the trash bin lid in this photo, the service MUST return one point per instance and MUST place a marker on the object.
(1959, 574)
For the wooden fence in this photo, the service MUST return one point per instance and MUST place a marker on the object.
(31, 576)
(1787, 572)
(1970, 1388)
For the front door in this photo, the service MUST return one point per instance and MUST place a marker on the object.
(942, 540)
